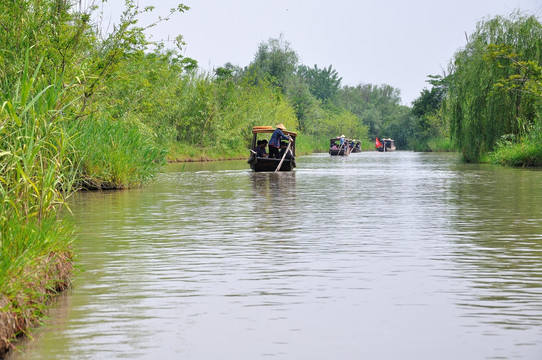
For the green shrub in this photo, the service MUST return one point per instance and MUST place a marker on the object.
(525, 152)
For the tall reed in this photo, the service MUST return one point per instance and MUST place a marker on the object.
(115, 154)
(36, 178)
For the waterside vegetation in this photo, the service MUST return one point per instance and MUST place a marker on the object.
(85, 110)
(495, 89)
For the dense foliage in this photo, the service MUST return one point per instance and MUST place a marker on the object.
(491, 95)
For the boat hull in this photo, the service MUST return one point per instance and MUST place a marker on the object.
(335, 152)
(259, 164)
(381, 149)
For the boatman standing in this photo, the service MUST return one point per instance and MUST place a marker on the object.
(274, 142)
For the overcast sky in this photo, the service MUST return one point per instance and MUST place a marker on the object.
(394, 42)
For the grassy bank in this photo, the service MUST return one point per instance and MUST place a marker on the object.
(36, 262)
(523, 152)
(114, 154)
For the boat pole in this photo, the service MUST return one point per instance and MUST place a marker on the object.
(340, 147)
(283, 156)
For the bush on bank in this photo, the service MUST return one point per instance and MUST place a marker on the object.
(525, 152)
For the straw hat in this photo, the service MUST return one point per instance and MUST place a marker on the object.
(281, 126)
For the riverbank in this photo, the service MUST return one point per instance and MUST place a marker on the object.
(23, 309)
(33, 276)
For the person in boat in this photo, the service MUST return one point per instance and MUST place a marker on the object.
(342, 143)
(358, 146)
(261, 152)
(334, 146)
(274, 142)
(257, 148)
(283, 147)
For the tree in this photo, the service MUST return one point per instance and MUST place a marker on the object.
(228, 71)
(275, 61)
(527, 74)
(307, 107)
(375, 105)
(323, 83)
(478, 114)
(427, 104)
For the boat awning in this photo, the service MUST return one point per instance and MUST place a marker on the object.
(269, 130)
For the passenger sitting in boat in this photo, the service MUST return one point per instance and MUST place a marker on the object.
(274, 142)
(334, 146)
(283, 146)
(261, 148)
(257, 148)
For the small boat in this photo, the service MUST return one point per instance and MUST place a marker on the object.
(263, 163)
(387, 145)
(336, 149)
(355, 146)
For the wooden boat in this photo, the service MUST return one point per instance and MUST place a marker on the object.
(387, 145)
(336, 149)
(259, 163)
(356, 147)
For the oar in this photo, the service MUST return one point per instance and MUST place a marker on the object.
(283, 156)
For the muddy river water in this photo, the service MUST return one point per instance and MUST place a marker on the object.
(372, 256)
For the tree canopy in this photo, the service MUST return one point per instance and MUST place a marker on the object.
(479, 113)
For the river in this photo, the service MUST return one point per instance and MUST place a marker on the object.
(397, 255)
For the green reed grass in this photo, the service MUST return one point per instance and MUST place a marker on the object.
(525, 152)
(36, 177)
(115, 154)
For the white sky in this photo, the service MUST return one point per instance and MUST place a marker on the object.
(390, 42)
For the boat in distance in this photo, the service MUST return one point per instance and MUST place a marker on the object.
(386, 145)
(336, 148)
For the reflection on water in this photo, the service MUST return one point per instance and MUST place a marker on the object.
(500, 246)
(379, 256)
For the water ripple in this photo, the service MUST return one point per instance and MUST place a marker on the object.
(338, 259)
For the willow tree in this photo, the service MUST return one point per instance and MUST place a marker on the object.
(479, 113)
